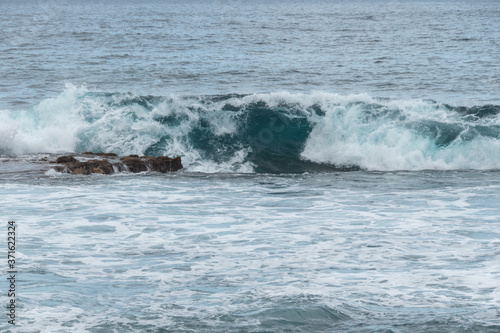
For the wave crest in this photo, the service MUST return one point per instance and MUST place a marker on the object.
(277, 132)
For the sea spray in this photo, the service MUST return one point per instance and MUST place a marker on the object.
(52, 126)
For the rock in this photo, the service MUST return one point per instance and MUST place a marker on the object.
(106, 154)
(66, 159)
(134, 163)
(163, 163)
(168, 164)
(108, 165)
(91, 166)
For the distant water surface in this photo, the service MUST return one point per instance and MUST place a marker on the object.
(446, 51)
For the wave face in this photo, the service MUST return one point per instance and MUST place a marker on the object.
(277, 132)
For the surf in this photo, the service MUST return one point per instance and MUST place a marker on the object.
(277, 132)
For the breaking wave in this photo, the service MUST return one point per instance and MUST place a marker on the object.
(276, 132)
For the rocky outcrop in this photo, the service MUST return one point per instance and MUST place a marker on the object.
(87, 167)
(134, 163)
(109, 163)
(104, 154)
(66, 159)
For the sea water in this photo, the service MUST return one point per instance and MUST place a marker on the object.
(341, 165)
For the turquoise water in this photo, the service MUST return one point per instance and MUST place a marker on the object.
(341, 165)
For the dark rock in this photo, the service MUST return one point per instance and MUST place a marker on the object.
(106, 154)
(163, 163)
(59, 168)
(88, 153)
(91, 166)
(66, 159)
(134, 163)
(147, 163)
(169, 164)
(176, 164)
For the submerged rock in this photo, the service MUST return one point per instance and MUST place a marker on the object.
(109, 164)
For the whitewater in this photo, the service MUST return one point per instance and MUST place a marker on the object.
(276, 132)
(341, 166)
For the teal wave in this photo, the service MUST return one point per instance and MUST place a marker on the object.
(276, 133)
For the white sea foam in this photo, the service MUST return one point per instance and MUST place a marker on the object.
(51, 126)
(212, 247)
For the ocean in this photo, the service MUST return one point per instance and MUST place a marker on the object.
(341, 166)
